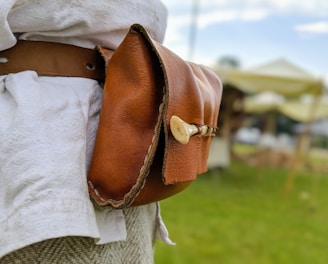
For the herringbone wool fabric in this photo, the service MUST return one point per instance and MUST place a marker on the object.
(137, 249)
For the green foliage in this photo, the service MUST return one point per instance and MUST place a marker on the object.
(242, 216)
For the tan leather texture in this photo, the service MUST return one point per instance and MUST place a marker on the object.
(53, 59)
(136, 159)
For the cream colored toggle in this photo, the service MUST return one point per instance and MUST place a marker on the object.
(182, 131)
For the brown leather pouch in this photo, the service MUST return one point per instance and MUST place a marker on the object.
(136, 158)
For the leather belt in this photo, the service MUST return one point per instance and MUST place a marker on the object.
(53, 59)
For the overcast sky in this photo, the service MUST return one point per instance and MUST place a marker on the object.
(253, 31)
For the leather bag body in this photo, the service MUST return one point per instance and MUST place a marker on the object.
(136, 159)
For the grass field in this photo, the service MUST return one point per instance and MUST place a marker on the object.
(242, 216)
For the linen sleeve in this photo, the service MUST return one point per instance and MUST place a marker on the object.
(7, 37)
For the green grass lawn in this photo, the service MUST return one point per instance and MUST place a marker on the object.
(242, 216)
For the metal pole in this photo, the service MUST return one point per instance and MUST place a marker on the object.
(193, 28)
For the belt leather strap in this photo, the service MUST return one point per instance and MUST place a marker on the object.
(53, 59)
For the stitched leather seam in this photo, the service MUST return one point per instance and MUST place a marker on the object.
(131, 192)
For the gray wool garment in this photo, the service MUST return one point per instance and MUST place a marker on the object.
(137, 248)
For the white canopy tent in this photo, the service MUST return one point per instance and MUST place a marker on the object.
(298, 110)
(280, 77)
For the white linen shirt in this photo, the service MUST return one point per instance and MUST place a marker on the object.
(48, 124)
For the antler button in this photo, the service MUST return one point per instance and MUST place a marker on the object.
(182, 131)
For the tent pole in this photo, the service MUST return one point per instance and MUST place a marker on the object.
(298, 154)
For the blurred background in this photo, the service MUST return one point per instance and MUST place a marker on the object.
(264, 198)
